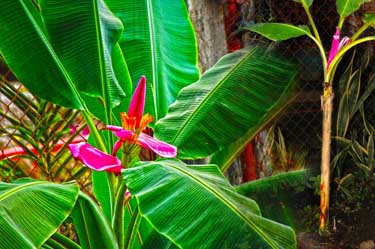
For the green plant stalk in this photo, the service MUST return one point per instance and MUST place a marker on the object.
(132, 230)
(110, 177)
(311, 21)
(321, 51)
(341, 22)
(361, 30)
(118, 215)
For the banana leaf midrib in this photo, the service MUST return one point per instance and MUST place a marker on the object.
(153, 55)
(227, 203)
(208, 96)
(103, 77)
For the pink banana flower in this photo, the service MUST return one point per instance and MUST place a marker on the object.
(336, 46)
(133, 123)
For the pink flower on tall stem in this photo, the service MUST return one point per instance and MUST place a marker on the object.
(133, 123)
(336, 46)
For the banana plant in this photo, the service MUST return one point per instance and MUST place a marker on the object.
(86, 56)
(340, 46)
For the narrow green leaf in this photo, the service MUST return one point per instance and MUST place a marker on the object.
(347, 7)
(345, 77)
(164, 192)
(25, 203)
(158, 42)
(359, 154)
(343, 116)
(353, 91)
(232, 101)
(370, 150)
(279, 31)
(27, 51)
(92, 227)
(370, 88)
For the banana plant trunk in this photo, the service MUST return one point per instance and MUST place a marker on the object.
(327, 107)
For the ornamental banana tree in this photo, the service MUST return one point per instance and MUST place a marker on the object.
(85, 56)
(282, 31)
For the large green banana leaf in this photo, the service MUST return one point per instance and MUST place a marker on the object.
(92, 227)
(31, 211)
(232, 101)
(281, 196)
(66, 53)
(84, 35)
(27, 51)
(159, 42)
(195, 207)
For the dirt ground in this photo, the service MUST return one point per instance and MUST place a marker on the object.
(352, 231)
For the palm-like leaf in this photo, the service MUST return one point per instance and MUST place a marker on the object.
(174, 197)
(231, 102)
(31, 211)
(158, 41)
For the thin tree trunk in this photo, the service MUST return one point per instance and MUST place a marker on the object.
(208, 19)
(327, 107)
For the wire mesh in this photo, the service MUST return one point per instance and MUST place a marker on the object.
(33, 136)
(301, 121)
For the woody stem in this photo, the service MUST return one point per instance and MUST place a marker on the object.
(327, 106)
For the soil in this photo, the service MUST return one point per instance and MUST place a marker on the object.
(353, 230)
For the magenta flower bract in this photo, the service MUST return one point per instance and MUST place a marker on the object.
(95, 159)
(160, 148)
(336, 46)
(134, 122)
(137, 103)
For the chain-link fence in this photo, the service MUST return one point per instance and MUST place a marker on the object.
(34, 134)
(302, 121)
